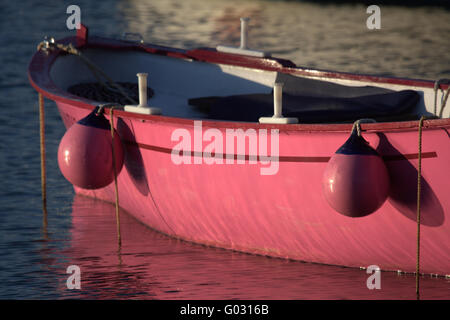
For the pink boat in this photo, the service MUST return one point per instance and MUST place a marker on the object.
(209, 159)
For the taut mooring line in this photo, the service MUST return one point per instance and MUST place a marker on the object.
(116, 188)
(419, 177)
(43, 169)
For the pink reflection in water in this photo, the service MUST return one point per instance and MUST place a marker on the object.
(150, 265)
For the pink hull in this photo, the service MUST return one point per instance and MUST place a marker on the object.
(234, 206)
(286, 215)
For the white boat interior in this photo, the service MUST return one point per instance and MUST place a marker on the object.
(197, 90)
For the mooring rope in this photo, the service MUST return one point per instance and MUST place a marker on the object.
(116, 188)
(357, 124)
(419, 178)
(43, 167)
(113, 153)
(51, 45)
(97, 72)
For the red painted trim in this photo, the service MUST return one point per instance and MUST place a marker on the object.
(410, 156)
(286, 66)
(40, 65)
(363, 77)
(82, 36)
(280, 158)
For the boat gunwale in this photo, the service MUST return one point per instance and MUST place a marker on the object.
(41, 63)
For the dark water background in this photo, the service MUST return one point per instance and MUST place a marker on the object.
(412, 42)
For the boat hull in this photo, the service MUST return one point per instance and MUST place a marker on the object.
(273, 208)
(285, 214)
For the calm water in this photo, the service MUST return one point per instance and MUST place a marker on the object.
(413, 42)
